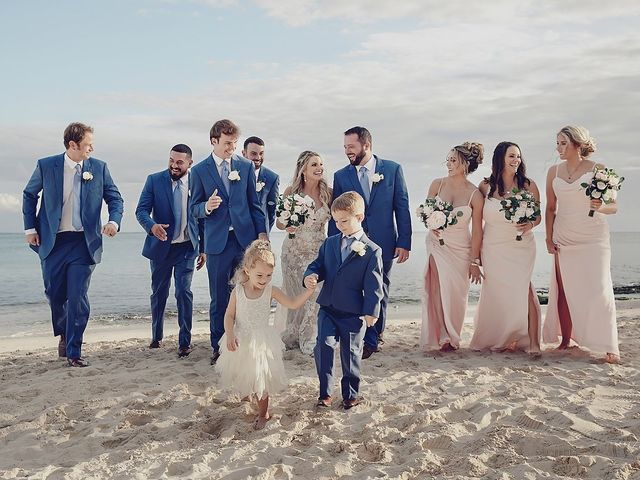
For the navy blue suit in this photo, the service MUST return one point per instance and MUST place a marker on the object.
(387, 222)
(268, 195)
(228, 230)
(68, 258)
(156, 206)
(351, 289)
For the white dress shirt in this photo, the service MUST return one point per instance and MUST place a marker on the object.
(371, 170)
(219, 161)
(184, 190)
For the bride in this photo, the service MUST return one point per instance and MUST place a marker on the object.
(298, 252)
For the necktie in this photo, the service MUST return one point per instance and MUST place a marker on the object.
(225, 175)
(177, 209)
(76, 217)
(364, 183)
(346, 249)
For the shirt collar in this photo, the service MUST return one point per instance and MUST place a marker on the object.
(356, 236)
(70, 163)
(219, 160)
(371, 164)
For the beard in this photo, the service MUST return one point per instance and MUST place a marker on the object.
(358, 158)
(178, 176)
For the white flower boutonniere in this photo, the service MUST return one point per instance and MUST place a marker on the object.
(234, 176)
(259, 186)
(359, 247)
(376, 177)
(87, 176)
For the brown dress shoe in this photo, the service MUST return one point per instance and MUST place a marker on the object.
(185, 351)
(155, 344)
(350, 403)
(62, 347)
(324, 402)
(77, 362)
(214, 357)
(367, 351)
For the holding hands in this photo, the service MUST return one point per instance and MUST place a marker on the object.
(311, 281)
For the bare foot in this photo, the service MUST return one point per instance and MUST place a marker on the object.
(534, 354)
(612, 358)
(260, 422)
(563, 346)
(447, 347)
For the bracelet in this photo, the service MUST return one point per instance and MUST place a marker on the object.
(475, 262)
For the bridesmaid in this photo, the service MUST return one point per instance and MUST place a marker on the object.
(450, 266)
(508, 313)
(581, 302)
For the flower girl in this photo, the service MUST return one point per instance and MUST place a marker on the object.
(251, 363)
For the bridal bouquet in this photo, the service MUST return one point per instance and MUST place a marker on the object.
(604, 185)
(436, 214)
(293, 210)
(521, 207)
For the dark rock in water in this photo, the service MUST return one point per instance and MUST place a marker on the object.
(626, 289)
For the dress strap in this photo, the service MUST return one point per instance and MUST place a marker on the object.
(557, 167)
(440, 186)
(471, 197)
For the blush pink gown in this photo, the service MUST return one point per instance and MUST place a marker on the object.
(452, 263)
(502, 316)
(584, 256)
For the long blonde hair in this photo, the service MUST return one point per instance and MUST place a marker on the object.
(297, 186)
(257, 251)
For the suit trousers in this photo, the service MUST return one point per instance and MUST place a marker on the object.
(347, 330)
(67, 273)
(179, 261)
(372, 333)
(220, 269)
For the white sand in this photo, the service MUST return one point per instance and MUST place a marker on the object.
(140, 413)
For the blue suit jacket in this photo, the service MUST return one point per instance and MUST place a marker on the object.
(48, 178)
(156, 206)
(387, 219)
(353, 286)
(239, 209)
(268, 195)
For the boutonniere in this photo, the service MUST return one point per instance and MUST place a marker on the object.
(87, 176)
(359, 247)
(376, 177)
(260, 185)
(234, 176)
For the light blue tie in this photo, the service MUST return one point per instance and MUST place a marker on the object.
(346, 250)
(76, 218)
(177, 209)
(364, 183)
(225, 175)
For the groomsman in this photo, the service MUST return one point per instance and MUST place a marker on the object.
(172, 243)
(66, 231)
(387, 219)
(267, 181)
(223, 194)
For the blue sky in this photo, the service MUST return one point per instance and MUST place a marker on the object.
(422, 75)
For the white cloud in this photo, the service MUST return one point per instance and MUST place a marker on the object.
(9, 203)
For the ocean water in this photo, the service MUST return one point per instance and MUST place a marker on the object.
(120, 286)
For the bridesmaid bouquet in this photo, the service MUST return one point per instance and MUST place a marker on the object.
(604, 185)
(293, 210)
(436, 214)
(521, 207)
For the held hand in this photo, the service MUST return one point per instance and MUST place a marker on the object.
(214, 201)
(202, 259)
(552, 248)
(109, 230)
(402, 255)
(232, 343)
(595, 204)
(523, 228)
(33, 239)
(475, 274)
(370, 320)
(158, 231)
(291, 229)
(263, 236)
(310, 281)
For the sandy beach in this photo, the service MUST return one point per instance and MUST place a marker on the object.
(140, 413)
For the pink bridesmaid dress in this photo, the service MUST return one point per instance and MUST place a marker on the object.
(502, 316)
(584, 256)
(452, 263)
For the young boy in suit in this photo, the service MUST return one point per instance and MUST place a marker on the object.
(351, 267)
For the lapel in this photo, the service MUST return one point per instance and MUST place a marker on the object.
(212, 170)
(352, 254)
(375, 186)
(168, 188)
(352, 173)
(58, 178)
(336, 250)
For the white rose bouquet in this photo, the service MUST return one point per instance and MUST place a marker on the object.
(521, 207)
(436, 214)
(604, 185)
(293, 210)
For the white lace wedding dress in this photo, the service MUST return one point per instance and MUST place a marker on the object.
(297, 253)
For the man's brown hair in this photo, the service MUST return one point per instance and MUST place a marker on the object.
(223, 126)
(75, 132)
